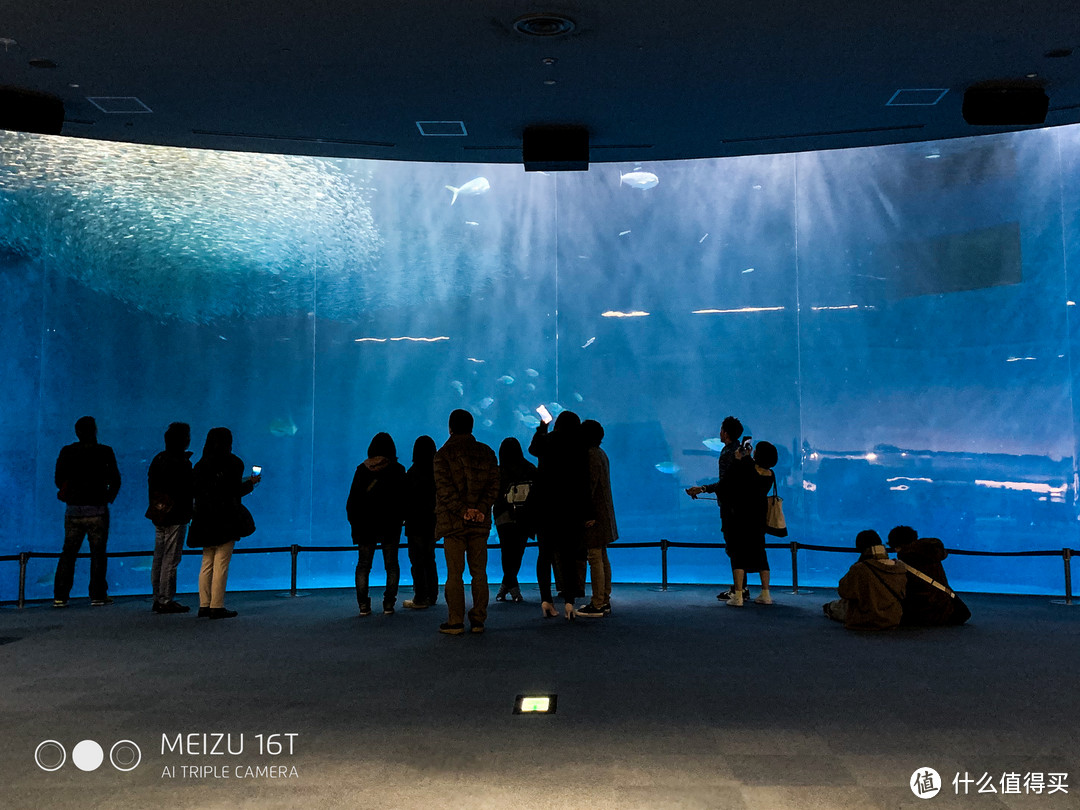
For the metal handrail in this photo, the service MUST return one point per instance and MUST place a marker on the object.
(24, 557)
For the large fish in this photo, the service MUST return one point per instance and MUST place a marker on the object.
(283, 427)
(478, 185)
(639, 180)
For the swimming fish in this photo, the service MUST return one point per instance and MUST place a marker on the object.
(528, 419)
(668, 467)
(578, 397)
(588, 343)
(485, 403)
(716, 445)
(458, 386)
(623, 233)
(470, 222)
(530, 387)
(487, 423)
(478, 185)
(748, 270)
(283, 427)
(531, 372)
(639, 180)
(506, 379)
(702, 239)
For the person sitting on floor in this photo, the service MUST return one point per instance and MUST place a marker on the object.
(929, 601)
(872, 591)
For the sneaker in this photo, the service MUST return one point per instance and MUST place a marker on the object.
(606, 608)
(388, 609)
(108, 600)
(365, 610)
(501, 595)
(452, 629)
(415, 604)
(764, 599)
(590, 612)
(59, 603)
(222, 613)
(476, 627)
(723, 597)
(515, 594)
(735, 601)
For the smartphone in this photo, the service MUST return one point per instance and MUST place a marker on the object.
(748, 445)
(545, 414)
(256, 470)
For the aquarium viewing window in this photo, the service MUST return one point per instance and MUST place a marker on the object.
(901, 328)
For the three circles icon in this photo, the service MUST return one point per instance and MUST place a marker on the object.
(87, 755)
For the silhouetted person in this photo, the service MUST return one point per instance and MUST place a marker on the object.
(563, 508)
(219, 518)
(926, 604)
(512, 514)
(87, 480)
(872, 591)
(730, 434)
(744, 491)
(376, 511)
(171, 488)
(420, 524)
(466, 485)
(603, 531)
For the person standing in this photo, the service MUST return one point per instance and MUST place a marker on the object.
(87, 480)
(219, 519)
(376, 512)
(730, 434)
(466, 485)
(511, 513)
(603, 531)
(420, 524)
(171, 486)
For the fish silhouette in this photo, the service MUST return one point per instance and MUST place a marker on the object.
(478, 185)
(639, 180)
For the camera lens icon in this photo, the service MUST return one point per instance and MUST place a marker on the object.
(125, 755)
(50, 755)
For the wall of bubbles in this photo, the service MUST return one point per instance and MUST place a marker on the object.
(899, 321)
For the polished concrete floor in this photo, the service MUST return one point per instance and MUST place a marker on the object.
(673, 701)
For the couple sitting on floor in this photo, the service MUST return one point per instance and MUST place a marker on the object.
(879, 593)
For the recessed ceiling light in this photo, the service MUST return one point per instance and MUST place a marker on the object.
(549, 81)
(7, 42)
(1032, 76)
(549, 60)
(543, 25)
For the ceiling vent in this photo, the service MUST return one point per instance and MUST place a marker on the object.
(917, 97)
(119, 105)
(543, 25)
(442, 129)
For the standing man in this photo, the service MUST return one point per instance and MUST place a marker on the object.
(87, 480)
(171, 485)
(466, 486)
(730, 434)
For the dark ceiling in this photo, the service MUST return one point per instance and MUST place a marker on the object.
(649, 80)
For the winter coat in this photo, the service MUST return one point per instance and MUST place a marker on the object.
(562, 493)
(171, 488)
(420, 501)
(219, 486)
(521, 472)
(87, 475)
(925, 605)
(874, 590)
(466, 477)
(604, 531)
(376, 503)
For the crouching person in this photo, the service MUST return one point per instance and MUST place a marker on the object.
(929, 601)
(872, 591)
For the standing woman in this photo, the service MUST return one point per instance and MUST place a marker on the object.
(745, 489)
(219, 518)
(420, 524)
(516, 477)
(376, 511)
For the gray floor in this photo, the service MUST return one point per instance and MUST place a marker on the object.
(674, 701)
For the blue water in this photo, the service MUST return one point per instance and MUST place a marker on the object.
(898, 321)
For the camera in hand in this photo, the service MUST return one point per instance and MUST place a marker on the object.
(748, 446)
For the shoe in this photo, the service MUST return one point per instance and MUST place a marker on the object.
(735, 601)
(108, 600)
(515, 594)
(159, 607)
(590, 612)
(476, 627)
(606, 608)
(59, 603)
(415, 604)
(569, 610)
(501, 595)
(452, 629)
(548, 609)
(222, 613)
(764, 599)
(204, 612)
(388, 609)
(176, 607)
(723, 597)
(365, 610)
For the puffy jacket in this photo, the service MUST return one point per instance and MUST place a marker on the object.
(376, 504)
(466, 477)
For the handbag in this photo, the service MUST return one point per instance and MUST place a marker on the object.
(774, 514)
(245, 523)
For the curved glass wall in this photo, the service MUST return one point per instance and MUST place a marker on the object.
(898, 321)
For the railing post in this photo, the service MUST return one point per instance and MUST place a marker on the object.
(794, 566)
(663, 564)
(294, 551)
(24, 558)
(1066, 556)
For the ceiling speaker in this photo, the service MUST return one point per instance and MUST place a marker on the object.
(1005, 106)
(555, 149)
(28, 111)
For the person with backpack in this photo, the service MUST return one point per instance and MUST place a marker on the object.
(511, 514)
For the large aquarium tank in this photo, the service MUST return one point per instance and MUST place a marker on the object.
(899, 321)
